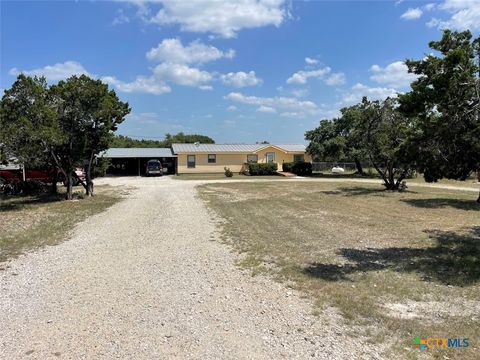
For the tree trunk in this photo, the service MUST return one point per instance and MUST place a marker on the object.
(381, 173)
(391, 177)
(478, 178)
(359, 167)
(89, 188)
(69, 195)
(53, 189)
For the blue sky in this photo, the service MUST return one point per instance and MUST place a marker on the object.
(237, 71)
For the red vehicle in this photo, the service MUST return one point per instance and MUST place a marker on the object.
(44, 176)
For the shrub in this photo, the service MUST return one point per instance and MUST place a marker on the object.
(262, 169)
(100, 167)
(228, 172)
(288, 167)
(299, 168)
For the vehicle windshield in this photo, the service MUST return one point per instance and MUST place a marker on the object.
(154, 165)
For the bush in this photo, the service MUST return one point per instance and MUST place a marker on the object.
(100, 167)
(298, 168)
(262, 169)
(288, 167)
(228, 172)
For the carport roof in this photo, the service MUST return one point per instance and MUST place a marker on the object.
(137, 153)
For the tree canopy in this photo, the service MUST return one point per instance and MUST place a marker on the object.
(444, 105)
(372, 130)
(128, 142)
(434, 128)
(63, 125)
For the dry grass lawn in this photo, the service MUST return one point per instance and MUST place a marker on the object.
(400, 265)
(29, 222)
(221, 176)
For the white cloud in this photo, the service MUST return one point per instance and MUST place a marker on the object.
(429, 7)
(286, 103)
(120, 18)
(336, 79)
(395, 75)
(232, 108)
(172, 50)
(182, 74)
(266, 109)
(149, 85)
(302, 76)
(359, 90)
(222, 18)
(162, 74)
(241, 79)
(59, 71)
(464, 14)
(299, 92)
(412, 14)
(311, 61)
(293, 114)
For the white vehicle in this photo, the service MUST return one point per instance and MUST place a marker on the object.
(338, 170)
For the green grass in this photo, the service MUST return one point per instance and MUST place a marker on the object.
(399, 265)
(30, 222)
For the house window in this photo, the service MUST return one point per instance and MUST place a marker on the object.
(190, 161)
(299, 158)
(252, 159)
(270, 157)
(212, 158)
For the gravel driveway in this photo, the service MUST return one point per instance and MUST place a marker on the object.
(147, 279)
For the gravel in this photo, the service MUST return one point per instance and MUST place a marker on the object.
(149, 278)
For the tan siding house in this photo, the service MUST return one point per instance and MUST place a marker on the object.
(213, 158)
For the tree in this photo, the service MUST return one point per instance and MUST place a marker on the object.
(187, 139)
(63, 125)
(373, 130)
(444, 105)
(338, 139)
(384, 132)
(28, 124)
(125, 141)
(88, 114)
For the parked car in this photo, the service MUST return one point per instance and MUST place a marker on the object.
(154, 167)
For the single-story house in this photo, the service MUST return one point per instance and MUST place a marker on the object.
(201, 158)
(213, 158)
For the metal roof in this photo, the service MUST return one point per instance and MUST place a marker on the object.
(137, 153)
(240, 148)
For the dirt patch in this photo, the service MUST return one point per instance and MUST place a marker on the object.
(434, 311)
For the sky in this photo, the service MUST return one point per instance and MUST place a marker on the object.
(238, 71)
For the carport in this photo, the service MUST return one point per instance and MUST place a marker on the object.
(133, 161)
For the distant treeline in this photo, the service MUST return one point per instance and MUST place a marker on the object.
(128, 142)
